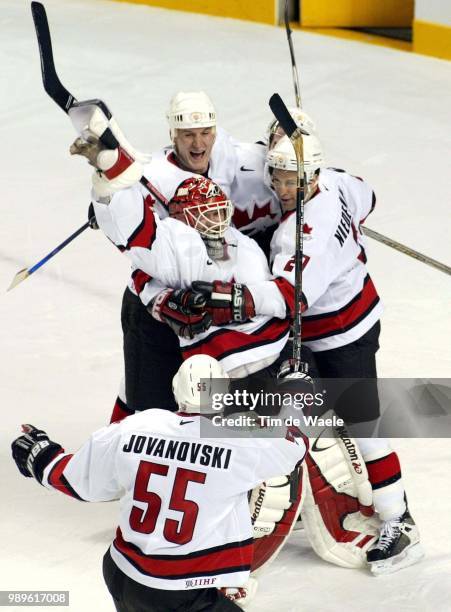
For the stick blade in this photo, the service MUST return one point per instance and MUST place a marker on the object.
(283, 116)
(50, 79)
(18, 278)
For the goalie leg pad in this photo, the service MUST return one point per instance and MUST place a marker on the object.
(339, 527)
(273, 518)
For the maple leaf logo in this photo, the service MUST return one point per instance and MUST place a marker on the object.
(307, 229)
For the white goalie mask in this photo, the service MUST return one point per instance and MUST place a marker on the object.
(198, 379)
(190, 109)
(274, 132)
(283, 157)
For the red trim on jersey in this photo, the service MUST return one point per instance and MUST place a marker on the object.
(225, 342)
(145, 233)
(233, 557)
(287, 291)
(140, 279)
(124, 161)
(384, 471)
(120, 411)
(58, 481)
(333, 506)
(320, 326)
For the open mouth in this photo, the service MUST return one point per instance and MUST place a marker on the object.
(196, 155)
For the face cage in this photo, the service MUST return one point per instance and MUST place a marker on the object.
(196, 216)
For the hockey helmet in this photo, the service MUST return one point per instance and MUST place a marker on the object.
(283, 157)
(301, 118)
(198, 379)
(201, 203)
(190, 109)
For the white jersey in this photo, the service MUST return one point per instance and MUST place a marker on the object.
(238, 168)
(256, 206)
(340, 299)
(168, 253)
(165, 174)
(184, 515)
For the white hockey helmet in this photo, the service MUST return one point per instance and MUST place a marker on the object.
(194, 384)
(301, 118)
(190, 109)
(283, 157)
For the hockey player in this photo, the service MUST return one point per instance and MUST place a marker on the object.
(206, 280)
(341, 319)
(151, 351)
(184, 527)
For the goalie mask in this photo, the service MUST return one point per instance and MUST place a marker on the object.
(283, 157)
(197, 381)
(202, 204)
(190, 109)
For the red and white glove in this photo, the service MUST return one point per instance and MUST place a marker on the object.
(227, 302)
(242, 596)
(183, 310)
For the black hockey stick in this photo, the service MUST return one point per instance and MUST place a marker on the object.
(63, 98)
(295, 135)
(300, 373)
(297, 89)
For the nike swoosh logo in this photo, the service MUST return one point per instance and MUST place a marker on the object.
(315, 448)
(209, 263)
(185, 422)
(243, 169)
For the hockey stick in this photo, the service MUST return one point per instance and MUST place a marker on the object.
(63, 98)
(297, 89)
(406, 250)
(295, 135)
(26, 272)
(300, 374)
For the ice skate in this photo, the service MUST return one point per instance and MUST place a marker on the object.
(398, 546)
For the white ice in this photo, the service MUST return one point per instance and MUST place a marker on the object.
(382, 114)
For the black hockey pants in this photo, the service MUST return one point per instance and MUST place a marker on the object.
(151, 357)
(131, 596)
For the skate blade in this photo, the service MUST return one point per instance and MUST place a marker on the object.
(411, 555)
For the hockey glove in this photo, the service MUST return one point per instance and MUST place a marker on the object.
(102, 142)
(116, 169)
(227, 302)
(183, 310)
(33, 451)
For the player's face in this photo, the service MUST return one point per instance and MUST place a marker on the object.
(193, 147)
(284, 183)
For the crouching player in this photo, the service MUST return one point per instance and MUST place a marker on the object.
(184, 526)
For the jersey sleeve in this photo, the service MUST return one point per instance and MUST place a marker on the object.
(280, 456)
(90, 473)
(359, 195)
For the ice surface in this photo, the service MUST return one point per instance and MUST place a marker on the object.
(382, 114)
